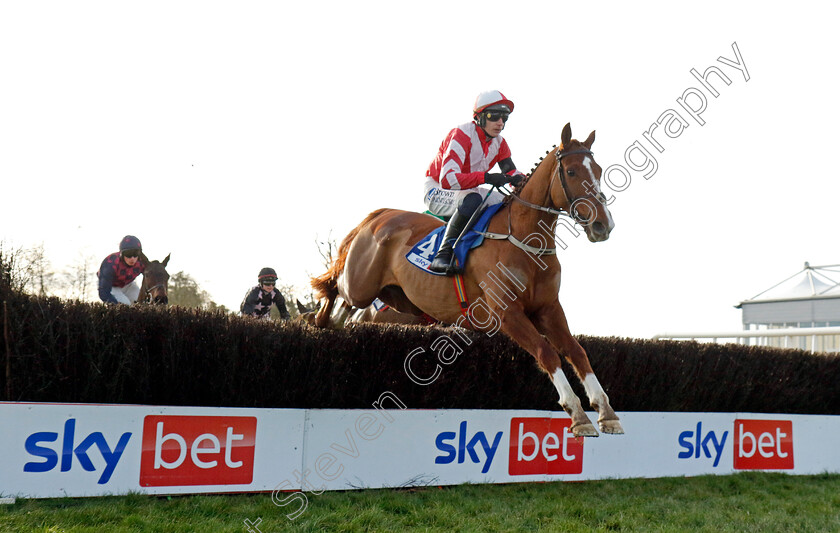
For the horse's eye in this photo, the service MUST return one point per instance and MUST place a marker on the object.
(570, 173)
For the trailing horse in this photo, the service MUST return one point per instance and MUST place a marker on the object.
(154, 289)
(512, 279)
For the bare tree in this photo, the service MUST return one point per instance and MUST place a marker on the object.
(42, 274)
(327, 249)
(22, 269)
(79, 280)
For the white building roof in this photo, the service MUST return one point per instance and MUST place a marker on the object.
(810, 282)
(809, 297)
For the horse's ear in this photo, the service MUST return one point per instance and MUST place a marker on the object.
(566, 136)
(143, 259)
(300, 307)
(166, 260)
(589, 140)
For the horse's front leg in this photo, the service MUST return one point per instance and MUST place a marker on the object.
(523, 332)
(551, 322)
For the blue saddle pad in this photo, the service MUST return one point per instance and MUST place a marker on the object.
(424, 251)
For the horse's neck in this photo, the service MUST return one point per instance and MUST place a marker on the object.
(536, 191)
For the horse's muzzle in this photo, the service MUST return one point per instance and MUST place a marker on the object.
(158, 299)
(597, 232)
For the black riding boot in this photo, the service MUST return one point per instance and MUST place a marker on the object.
(443, 261)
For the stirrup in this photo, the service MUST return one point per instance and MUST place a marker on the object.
(443, 264)
(454, 268)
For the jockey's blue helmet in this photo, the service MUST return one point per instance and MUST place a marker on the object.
(130, 242)
(267, 274)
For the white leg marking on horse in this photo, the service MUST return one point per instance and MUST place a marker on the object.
(564, 388)
(340, 316)
(594, 391)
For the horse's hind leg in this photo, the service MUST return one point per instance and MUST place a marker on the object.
(551, 322)
(322, 317)
(341, 315)
(523, 332)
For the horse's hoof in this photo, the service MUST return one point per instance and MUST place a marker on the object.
(584, 430)
(611, 427)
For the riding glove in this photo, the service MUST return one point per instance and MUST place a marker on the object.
(496, 180)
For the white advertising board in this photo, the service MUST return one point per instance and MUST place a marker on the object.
(51, 450)
(455, 446)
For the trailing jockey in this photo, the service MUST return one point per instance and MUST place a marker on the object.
(454, 180)
(119, 270)
(258, 300)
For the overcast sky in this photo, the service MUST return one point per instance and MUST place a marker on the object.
(236, 134)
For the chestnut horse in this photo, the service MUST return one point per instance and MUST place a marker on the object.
(388, 315)
(155, 281)
(522, 300)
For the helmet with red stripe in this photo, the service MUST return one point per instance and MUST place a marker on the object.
(267, 274)
(490, 101)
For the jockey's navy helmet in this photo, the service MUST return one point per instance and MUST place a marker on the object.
(130, 242)
(267, 274)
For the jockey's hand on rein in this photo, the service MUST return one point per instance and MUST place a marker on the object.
(496, 180)
(516, 179)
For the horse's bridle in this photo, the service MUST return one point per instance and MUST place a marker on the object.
(148, 298)
(561, 175)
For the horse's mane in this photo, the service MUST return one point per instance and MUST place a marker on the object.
(518, 188)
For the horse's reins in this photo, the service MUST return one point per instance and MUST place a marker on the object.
(560, 174)
(150, 289)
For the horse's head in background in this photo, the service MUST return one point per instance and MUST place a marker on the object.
(155, 282)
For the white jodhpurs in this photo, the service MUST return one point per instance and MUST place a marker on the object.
(444, 202)
(126, 295)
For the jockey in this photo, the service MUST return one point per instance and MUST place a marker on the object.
(259, 299)
(118, 271)
(455, 177)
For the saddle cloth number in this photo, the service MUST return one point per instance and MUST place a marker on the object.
(428, 248)
(424, 251)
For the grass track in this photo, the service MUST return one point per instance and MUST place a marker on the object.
(742, 502)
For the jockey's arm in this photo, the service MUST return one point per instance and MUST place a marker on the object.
(508, 168)
(280, 302)
(106, 283)
(250, 302)
(460, 180)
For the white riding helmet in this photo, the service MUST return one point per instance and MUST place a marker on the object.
(492, 99)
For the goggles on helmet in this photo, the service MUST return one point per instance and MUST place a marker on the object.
(493, 116)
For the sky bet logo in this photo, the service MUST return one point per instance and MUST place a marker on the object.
(37, 444)
(757, 444)
(537, 446)
(197, 450)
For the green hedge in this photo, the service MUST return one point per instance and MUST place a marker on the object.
(74, 352)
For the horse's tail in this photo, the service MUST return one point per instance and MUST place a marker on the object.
(326, 285)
